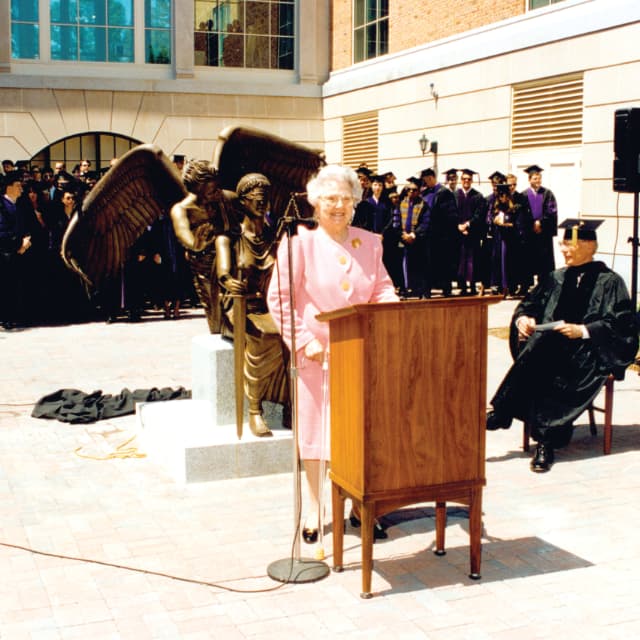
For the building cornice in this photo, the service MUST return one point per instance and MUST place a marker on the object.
(142, 79)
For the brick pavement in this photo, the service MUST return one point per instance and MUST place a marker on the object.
(561, 553)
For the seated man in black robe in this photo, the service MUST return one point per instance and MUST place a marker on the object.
(572, 330)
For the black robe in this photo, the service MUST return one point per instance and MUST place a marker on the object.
(554, 378)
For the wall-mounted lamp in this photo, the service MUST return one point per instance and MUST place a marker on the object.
(434, 93)
(427, 146)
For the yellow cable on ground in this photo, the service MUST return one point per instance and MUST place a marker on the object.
(120, 452)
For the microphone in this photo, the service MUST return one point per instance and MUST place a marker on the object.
(291, 224)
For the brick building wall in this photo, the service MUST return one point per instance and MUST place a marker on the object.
(416, 22)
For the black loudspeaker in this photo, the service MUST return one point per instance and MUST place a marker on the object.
(626, 149)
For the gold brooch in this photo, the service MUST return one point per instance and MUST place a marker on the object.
(356, 242)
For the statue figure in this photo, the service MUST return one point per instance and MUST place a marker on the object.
(243, 265)
(225, 256)
(205, 213)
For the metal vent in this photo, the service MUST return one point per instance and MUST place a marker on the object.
(547, 114)
(360, 140)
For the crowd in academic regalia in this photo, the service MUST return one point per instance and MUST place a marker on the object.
(440, 235)
(37, 288)
(437, 236)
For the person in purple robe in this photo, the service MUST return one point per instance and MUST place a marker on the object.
(472, 228)
(374, 212)
(492, 243)
(443, 234)
(511, 219)
(406, 242)
(544, 211)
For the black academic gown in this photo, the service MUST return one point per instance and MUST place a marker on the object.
(554, 378)
(443, 238)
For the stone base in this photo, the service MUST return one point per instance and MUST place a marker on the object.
(180, 435)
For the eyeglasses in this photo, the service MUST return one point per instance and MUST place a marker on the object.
(334, 200)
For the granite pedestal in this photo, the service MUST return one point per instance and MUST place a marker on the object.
(196, 440)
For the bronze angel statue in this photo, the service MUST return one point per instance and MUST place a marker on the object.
(224, 213)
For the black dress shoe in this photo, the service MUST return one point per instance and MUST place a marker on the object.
(542, 459)
(378, 532)
(310, 536)
(495, 421)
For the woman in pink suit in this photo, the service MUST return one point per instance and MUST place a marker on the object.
(335, 265)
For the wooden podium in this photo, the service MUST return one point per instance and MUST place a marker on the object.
(408, 407)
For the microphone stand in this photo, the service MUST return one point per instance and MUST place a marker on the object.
(294, 568)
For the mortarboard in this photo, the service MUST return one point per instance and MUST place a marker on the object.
(450, 172)
(496, 176)
(414, 180)
(389, 175)
(427, 172)
(178, 157)
(469, 172)
(377, 178)
(365, 171)
(503, 189)
(534, 168)
(576, 229)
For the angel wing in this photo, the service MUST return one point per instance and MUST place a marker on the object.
(141, 186)
(288, 165)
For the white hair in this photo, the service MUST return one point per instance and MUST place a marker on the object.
(332, 173)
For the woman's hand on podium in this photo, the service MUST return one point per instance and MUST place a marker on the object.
(314, 350)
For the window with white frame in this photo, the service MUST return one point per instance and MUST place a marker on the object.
(370, 29)
(91, 30)
(25, 29)
(157, 31)
(257, 34)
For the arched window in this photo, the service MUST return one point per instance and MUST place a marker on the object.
(97, 147)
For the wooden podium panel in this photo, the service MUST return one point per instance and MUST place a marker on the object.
(408, 406)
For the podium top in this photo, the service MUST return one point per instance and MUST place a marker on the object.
(413, 305)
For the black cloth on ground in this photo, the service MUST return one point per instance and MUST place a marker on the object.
(77, 407)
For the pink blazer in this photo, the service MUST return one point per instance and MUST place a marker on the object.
(328, 275)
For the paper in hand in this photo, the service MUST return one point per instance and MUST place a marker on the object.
(548, 326)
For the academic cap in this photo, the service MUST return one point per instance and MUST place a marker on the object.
(503, 189)
(178, 157)
(427, 172)
(496, 175)
(576, 229)
(450, 172)
(365, 171)
(534, 168)
(414, 180)
(377, 178)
